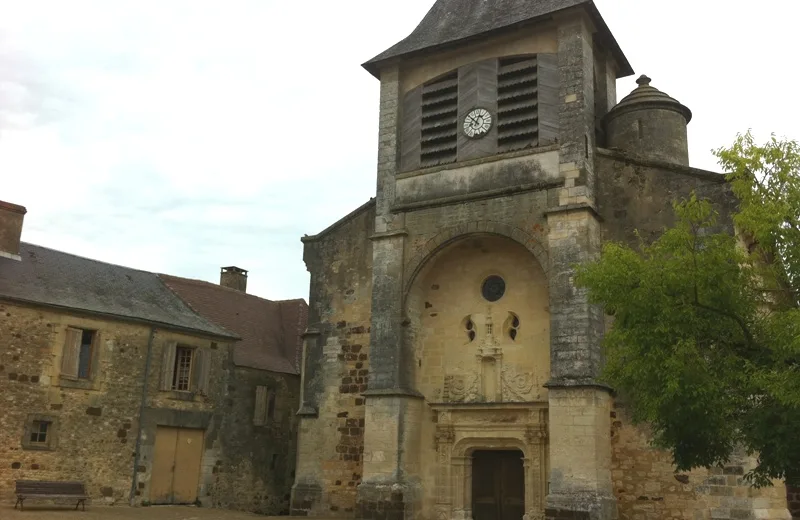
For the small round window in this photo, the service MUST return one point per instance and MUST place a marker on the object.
(493, 288)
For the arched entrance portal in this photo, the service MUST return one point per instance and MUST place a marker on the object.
(498, 485)
(478, 332)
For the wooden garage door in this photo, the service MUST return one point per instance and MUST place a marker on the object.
(176, 465)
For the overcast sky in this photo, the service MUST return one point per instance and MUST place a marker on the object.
(182, 136)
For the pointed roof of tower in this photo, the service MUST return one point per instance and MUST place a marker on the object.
(451, 21)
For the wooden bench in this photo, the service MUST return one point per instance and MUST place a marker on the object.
(26, 489)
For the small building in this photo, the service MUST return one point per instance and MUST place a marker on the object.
(107, 376)
(259, 432)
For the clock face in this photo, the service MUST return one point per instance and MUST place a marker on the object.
(477, 123)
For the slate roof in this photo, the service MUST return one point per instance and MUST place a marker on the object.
(450, 21)
(53, 278)
(270, 330)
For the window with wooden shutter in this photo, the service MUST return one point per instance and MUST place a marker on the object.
(439, 126)
(260, 408)
(168, 366)
(182, 372)
(201, 370)
(70, 355)
(271, 405)
(517, 103)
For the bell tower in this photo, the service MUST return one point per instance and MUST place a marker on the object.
(490, 116)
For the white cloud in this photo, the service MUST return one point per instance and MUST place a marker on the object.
(182, 136)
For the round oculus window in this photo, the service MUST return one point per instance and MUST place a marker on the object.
(493, 288)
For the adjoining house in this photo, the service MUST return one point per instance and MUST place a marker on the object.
(259, 433)
(107, 376)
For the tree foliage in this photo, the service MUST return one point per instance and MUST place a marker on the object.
(705, 345)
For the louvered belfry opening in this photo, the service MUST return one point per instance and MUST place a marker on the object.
(439, 141)
(517, 103)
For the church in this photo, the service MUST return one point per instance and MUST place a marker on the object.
(451, 367)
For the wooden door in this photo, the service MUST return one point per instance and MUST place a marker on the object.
(188, 456)
(498, 485)
(176, 465)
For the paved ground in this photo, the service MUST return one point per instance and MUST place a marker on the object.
(33, 512)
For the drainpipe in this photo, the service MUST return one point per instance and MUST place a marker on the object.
(137, 451)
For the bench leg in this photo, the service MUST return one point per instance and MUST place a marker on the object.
(15, 503)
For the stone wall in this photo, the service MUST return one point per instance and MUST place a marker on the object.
(793, 499)
(336, 361)
(176, 409)
(648, 487)
(95, 422)
(257, 466)
(636, 195)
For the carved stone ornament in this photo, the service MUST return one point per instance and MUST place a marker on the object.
(536, 434)
(461, 388)
(445, 435)
(533, 515)
(518, 387)
(462, 514)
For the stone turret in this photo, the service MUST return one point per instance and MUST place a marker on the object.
(650, 124)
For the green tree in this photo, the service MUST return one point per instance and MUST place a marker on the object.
(705, 346)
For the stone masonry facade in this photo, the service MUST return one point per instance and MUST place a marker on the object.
(413, 370)
(255, 469)
(94, 427)
(95, 424)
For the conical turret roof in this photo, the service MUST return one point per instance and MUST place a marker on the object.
(646, 97)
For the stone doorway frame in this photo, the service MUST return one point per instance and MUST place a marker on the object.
(463, 428)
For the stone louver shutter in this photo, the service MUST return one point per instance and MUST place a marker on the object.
(168, 366)
(260, 408)
(70, 356)
(201, 370)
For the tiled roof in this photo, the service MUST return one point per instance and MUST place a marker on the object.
(53, 278)
(450, 21)
(270, 330)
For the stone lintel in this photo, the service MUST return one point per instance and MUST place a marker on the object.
(490, 405)
(579, 383)
(482, 160)
(488, 194)
(572, 208)
(307, 411)
(393, 392)
(310, 333)
(389, 234)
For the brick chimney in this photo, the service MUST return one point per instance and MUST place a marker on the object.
(11, 217)
(234, 278)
